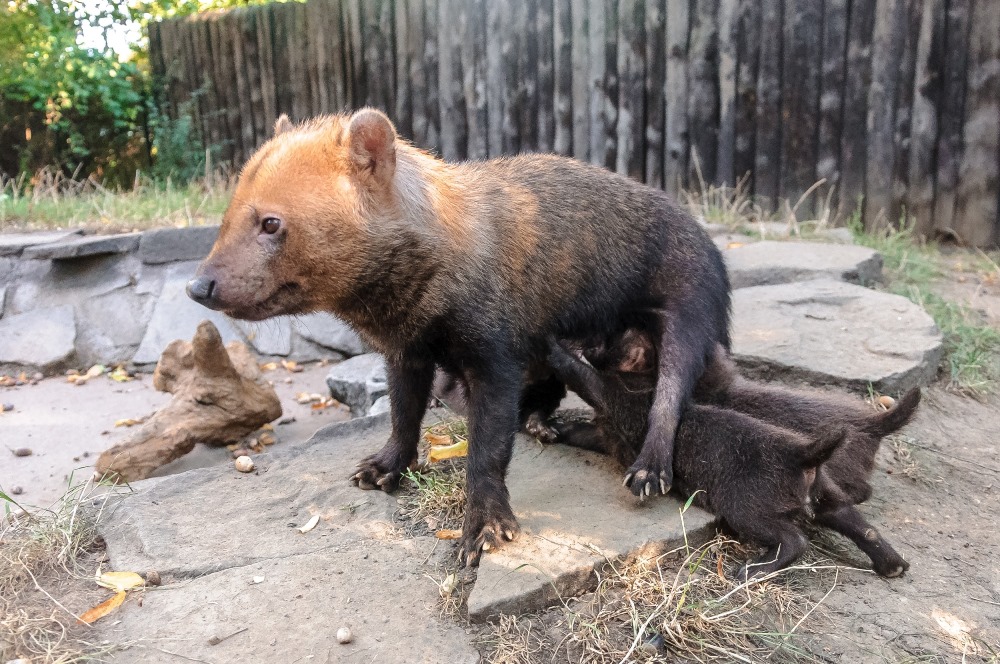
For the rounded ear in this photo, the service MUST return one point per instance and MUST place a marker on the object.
(372, 144)
(282, 124)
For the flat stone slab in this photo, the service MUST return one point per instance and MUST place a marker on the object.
(268, 337)
(358, 382)
(231, 557)
(92, 245)
(176, 316)
(41, 338)
(330, 332)
(833, 333)
(767, 262)
(574, 515)
(170, 245)
(12, 244)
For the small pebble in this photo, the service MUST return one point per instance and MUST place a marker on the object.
(38, 376)
(244, 464)
(17, 490)
(22, 451)
(240, 452)
(153, 578)
(886, 401)
(7, 407)
(344, 635)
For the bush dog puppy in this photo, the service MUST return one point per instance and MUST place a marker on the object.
(762, 479)
(469, 267)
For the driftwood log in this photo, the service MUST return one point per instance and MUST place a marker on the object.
(218, 400)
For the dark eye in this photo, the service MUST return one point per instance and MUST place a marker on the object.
(270, 225)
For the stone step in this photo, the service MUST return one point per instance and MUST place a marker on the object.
(78, 247)
(767, 262)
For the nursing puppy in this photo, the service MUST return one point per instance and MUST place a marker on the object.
(468, 267)
(762, 479)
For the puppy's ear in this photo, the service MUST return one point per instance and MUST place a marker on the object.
(282, 124)
(638, 355)
(372, 144)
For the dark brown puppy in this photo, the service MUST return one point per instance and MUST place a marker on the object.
(469, 267)
(753, 475)
(621, 382)
(844, 480)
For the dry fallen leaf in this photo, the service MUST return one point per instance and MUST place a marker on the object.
(438, 440)
(267, 427)
(448, 534)
(310, 524)
(291, 365)
(120, 375)
(104, 608)
(120, 581)
(303, 397)
(734, 245)
(449, 584)
(129, 422)
(96, 370)
(269, 366)
(459, 449)
(267, 439)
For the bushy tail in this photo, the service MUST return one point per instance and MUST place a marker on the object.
(895, 418)
(822, 447)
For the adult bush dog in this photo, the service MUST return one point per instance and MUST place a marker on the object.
(468, 266)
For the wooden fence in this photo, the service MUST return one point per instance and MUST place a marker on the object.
(896, 102)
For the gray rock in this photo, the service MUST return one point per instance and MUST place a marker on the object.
(268, 337)
(330, 332)
(840, 235)
(170, 245)
(12, 244)
(3, 299)
(93, 245)
(354, 569)
(574, 514)
(50, 284)
(358, 382)
(176, 316)
(42, 339)
(834, 333)
(111, 326)
(767, 262)
(304, 350)
(380, 406)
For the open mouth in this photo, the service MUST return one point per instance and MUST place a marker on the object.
(286, 299)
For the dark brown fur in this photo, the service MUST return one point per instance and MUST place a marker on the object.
(468, 267)
(758, 471)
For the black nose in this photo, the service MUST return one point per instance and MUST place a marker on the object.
(201, 289)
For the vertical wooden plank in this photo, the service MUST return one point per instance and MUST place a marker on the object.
(951, 113)
(904, 107)
(354, 54)
(417, 69)
(656, 72)
(857, 77)
(265, 49)
(745, 124)
(403, 92)
(887, 50)
(473, 57)
(767, 160)
(802, 33)
(546, 75)
(831, 85)
(728, 46)
(631, 149)
(224, 120)
(703, 98)
(376, 36)
(976, 214)
(604, 80)
(527, 74)
(496, 19)
(580, 55)
(924, 121)
(336, 83)
(562, 94)
(675, 155)
(298, 60)
(283, 90)
(454, 127)
(319, 68)
(510, 38)
(248, 35)
(234, 20)
(194, 78)
(431, 57)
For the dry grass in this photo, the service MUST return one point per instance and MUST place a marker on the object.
(47, 555)
(50, 200)
(436, 495)
(681, 606)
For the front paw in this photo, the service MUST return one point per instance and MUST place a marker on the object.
(374, 473)
(536, 427)
(485, 532)
(644, 478)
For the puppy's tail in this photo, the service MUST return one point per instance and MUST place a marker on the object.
(822, 447)
(895, 418)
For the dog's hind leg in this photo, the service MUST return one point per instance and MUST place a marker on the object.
(848, 521)
(784, 546)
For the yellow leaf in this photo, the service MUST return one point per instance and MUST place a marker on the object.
(448, 534)
(459, 449)
(291, 365)
(437, 440)
(120, 581)
(120, 375)
(269, 366)
(310, 524)
(104, 608)
(734, 245)
(96, 370)
(128, 422)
